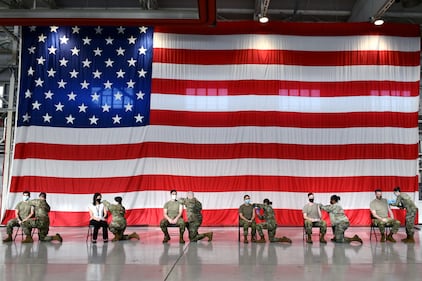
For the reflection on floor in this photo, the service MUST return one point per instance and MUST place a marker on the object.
(223, 259)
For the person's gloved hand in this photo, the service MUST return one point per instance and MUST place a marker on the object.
(391, 201)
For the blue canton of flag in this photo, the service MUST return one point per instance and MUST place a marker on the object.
(85, 77)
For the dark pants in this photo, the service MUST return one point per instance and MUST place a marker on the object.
(97, 225)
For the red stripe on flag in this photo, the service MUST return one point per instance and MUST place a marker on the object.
(215, 151)
(284, 119)
(286, 57)
(271, 87)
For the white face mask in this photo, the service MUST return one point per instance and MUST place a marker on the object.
(25, 198)
(173, 196)
(247, 201)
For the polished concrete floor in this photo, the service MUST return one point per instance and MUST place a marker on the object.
(223, 259)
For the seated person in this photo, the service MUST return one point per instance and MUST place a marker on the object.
(98, 217)
(172, 213)
(383, 216)
(312, 217)
(247, 220)
(23, 213)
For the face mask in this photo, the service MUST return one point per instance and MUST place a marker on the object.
(247, 201)
(25, 198)
(173, 196)
(311, 200)
(99, 200)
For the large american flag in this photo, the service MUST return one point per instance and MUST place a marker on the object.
(274, 111)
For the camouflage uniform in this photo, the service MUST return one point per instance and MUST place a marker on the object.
(42, 221)
(172, 208)
(270, 224)
(380, 206)
(340, 223)
(193, 210)
(405, 201)
(24, 209)
(247, 211)
(118, 222)
(312, 212)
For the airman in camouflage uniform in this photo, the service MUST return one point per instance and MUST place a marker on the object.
(312, 217)
(270, 222)
(404, 201)
(339, 221)
(42, 221)
(193, 209)
(23, 214)
(382, 216)
(118, 222)
(247, 219)
(172, 212)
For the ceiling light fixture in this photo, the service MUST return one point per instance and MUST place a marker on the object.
(263, 19)
(377, 21)
(261, 9)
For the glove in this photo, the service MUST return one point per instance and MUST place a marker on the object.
(391, 201)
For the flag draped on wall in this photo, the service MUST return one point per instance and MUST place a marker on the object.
(272, 111)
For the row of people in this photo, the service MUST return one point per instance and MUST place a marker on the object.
(381, 215)
(30, 214)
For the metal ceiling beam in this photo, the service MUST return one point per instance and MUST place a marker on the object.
(205, 14)
(98, 13)
(364, 10)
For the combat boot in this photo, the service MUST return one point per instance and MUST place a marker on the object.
(285, 239)
(408, 239)
(322, 239)
(8, 238)
(134, 235)
(309, 239)
(58, 237)
(261, 240)
(28, 239)
(116, 237)
(382, 237)
(390, 238)
(166, 237)
(245, 239)
(181, 240)
(209, 235)
(356, 239)
(253, 239)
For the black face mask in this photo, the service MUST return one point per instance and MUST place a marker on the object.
(98, 200)
(311, 200)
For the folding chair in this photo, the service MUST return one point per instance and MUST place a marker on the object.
(304, 230)
(373, 230)
(89, 233)
(239, 229)
(18, 231)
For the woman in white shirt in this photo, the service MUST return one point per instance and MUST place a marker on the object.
(98, 218)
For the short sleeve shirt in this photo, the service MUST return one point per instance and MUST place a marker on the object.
(246, 211)
(172, 208)
(380, 206)
(311, 211)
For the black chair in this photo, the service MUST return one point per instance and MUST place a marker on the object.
(304, 230)
(374, 227)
